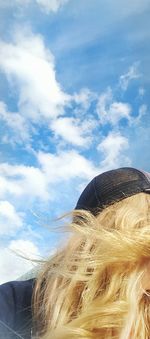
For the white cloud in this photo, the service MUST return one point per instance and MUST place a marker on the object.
(20, 180)
(111, 111)
(30, 67)
(28, 183)
(9, 186)
(65, 166)
(51, 5)
(12, 266)
(10, 220)
(73, 131)
(132, 74)
(118, 111)
(113, 147)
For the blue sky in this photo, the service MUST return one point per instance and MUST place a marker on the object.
(74, 102)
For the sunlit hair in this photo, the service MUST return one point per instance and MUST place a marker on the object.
(93, 287)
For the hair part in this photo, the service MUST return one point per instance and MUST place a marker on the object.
(92, 286)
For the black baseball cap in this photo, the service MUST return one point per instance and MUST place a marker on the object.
(112, 186)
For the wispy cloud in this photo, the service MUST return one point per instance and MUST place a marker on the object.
(16, 125)
(141, 91)
(84, 98)
(132, 74)
(111, 111)
(141, 113)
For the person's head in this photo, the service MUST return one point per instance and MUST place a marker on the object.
(97, 283)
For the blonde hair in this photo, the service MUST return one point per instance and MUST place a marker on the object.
(92, 287)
